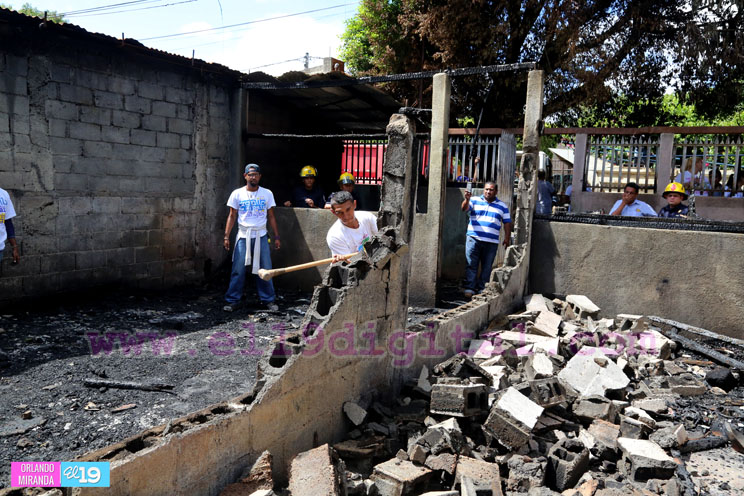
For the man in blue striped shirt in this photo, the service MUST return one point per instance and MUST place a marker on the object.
(487, 215)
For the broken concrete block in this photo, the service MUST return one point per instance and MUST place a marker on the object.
(644, 460)
(259, 475)
(459, 400)
(547, 392)
(417, 454)
(512, 418)
(535, 303)
(582, 306)
(398, 477)
(524, 474)
(444, 436)
(686, 385)
(591, 372)
(367, 447)
(640, 415)
(423, 382)
(498, 374)
(482, 473)
(547, 324)
(653, 343)
(567, 461)
(317, 472)
(721, 377)
(481, 349)
(632, 428)
(593, 407)
(671, 437)
(653, 405)
(538, 366)
(445, 461)
(547, 346)
(355, 413)
(605, 435)
(460, 365)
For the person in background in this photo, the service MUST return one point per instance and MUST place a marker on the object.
(630, 206)
(737, 192)
(545, 193)
(486, 216)
(308, 195)
(674, 194)
(346, 183)
(7, 230)
(253, 208)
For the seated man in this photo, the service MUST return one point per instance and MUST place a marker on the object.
(674, 194)
(352, 229)
(308, 195)
(630, 206)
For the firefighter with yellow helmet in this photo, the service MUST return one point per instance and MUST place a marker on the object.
(674, 194)
(307, 195)
(346, 182)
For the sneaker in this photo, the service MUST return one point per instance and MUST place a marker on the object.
(272, 307)
(468, 293)
(230, 307)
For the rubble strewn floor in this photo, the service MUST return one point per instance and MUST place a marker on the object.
(550, 401)
(47, 413)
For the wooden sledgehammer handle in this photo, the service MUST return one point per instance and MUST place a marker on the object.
(268, 274)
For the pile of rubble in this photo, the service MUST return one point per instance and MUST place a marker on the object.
(549, 401)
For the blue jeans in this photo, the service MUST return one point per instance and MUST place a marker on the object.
(478, 252)
(237, 276)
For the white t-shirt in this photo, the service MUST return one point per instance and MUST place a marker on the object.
(252, 207)
(6, 212)
(343, 240)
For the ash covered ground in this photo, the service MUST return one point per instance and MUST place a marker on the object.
(47, 413)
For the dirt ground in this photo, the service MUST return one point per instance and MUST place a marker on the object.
(180, 338)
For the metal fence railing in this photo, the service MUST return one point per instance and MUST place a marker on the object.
(711, 166)
(612, 161)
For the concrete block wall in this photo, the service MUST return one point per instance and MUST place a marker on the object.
(691, 277)
(116, 165)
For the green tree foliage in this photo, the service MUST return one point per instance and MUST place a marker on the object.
(589, 50)
(30, 10)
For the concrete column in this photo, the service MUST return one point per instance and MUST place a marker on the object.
(664, 165)
(530, 154)
(577, 182)
(429, 245)
(506, 164)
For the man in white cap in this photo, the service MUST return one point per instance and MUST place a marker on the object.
(252, 206)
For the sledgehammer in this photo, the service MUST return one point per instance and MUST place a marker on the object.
(268, 274)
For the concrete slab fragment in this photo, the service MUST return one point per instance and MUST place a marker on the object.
(355, 413)
(535, 303)
(520, 407)
(591, 372)
(538, 366)
(547, 324)
(481, 472)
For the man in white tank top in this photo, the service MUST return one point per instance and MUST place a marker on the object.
(352, 229)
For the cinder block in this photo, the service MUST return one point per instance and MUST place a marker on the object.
(165, 109)
(317, 472)
(459, 400)
(150, 90)
(125, 119)
(169, 140)
(568, 460)
(15, 85)
(90, 260)
(604, 436)
(180, 126)
(143, 137)
(595, 407)
(397, 477)
(538, 366)
(115, 134)
(66, 146)
(547, 392)
(121, 85)
(481, 472)
(70, 182)
(178, 95)
(512, 418)
(105, 99)
(147, 254)
(137, 104)
(16, 64)
(75, 94)
(85, 131)
(644, 460)
(583, 306)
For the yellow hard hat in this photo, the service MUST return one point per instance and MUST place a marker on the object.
(308, 171)
(346, 178)
(675, 188)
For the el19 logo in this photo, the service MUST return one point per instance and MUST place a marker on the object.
(85, 474)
